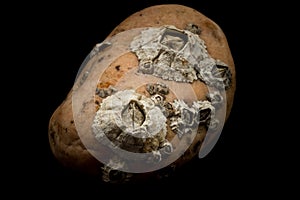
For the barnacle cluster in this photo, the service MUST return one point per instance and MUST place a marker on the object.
(187, 119)
(140, 123)
(131, 121)
(178, 55)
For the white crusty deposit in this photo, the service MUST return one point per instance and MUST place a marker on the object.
(178, 55)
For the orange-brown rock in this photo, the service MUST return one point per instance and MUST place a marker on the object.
(65, 143)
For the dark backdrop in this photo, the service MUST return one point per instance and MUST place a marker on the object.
(69, 35)
(56, 39)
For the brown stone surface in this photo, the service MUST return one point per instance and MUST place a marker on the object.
(64, 140)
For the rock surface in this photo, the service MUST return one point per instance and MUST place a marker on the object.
(64, 140)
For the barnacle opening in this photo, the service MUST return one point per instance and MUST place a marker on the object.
(133, 114)
(174, 39)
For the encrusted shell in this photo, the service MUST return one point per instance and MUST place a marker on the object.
(151, 124)
(150, 97)
(128, 119)
(178, 55)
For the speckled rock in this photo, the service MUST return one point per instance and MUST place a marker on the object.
(121, 75)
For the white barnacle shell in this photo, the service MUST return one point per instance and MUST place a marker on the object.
(178, 55)
(215, 98)
(126, 118)
(168, 148)
(157, 99)
(104, 92)
(213, 123)
(112, 171)
(214, 73)
(202, 106)
(185, 121)
(159, 51)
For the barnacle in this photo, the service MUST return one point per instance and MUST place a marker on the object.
(187, 119)
(215, 98)
(214, 73)
(158, 88)
(114, 174)
(148, 98)
(128, 119)
(105, 92)
(148, 122)
(193, 28)
(178, 55)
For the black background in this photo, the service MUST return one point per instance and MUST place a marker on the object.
(50, 41)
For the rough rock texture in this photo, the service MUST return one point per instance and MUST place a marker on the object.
(64, 140)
